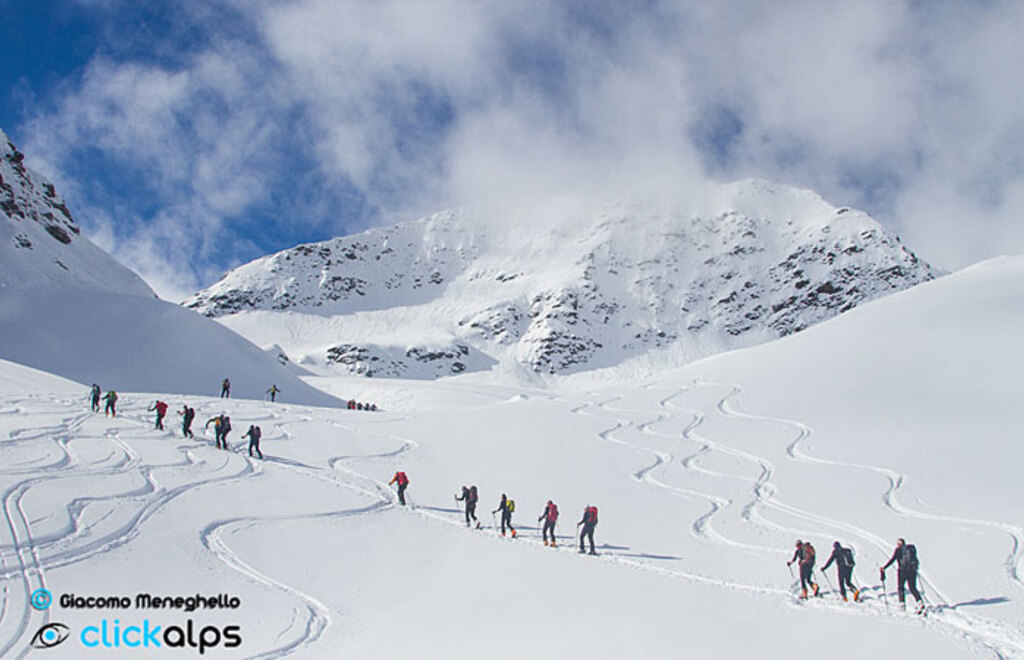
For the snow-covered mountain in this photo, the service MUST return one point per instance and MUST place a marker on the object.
(745, 263)
(68, 307)
(894, 420)
(40, 244)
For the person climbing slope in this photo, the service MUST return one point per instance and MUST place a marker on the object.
(225, 389)
(403, 482)
(254, 434)
(507, 507)
(550, 517)
(905, 557)
(111, 399)
(470, 497)
(589, 522)
(843, 557)
(187, 415)
(94, 396)
(274, 389)
(161, 409)
(804, 554)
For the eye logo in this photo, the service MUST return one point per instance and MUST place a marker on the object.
(41, 599)
(50, 635)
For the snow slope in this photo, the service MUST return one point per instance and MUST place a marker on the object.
(69, 308)
(893, 419)
(741, 264)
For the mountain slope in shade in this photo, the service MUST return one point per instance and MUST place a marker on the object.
(748, 262)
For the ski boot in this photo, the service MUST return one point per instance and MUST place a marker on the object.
(545, 542)
(856, 595)
(513, 533)
(803, 594)
(503, 533)
(552, 543)
(845, 599)
(816, 588)
(920, 607)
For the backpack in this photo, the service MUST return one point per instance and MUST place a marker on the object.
(808, 553)
(909, 559)
(225, 426)
(402, 479)
(553, 512)
(473, 497)
(510, 506)
(591, 515)
(846, 557)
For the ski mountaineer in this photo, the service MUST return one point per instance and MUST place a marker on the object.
(469, 495)
(905, 557)
(506, 507)
(550, 517)
(254, 434)
(403, 483)
(221, 426)
(111, 399)
(589, 522)
(274, 389)
(161, 409)
(225, 428)
(843, 557)
(225, 389)
(805, 555)
(188, 414)
(94, 396)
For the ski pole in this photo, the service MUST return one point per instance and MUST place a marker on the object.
(885, 596)
(827, 580)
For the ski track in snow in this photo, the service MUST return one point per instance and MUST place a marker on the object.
(27, 557)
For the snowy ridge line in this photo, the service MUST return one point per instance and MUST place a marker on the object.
(994, 635)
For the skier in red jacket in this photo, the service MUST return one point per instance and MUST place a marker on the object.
(403, 483)
(550, 517)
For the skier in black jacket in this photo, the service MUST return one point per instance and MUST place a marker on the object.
(843, 557)
(905, 558)
(506, 507)
(470, 497)
(589, 522)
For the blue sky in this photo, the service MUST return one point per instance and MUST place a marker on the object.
(189, 137)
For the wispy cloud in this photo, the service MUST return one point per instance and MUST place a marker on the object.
(314, 117)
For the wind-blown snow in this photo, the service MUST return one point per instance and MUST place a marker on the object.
(895, 419)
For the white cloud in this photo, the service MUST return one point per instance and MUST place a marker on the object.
(913, 110)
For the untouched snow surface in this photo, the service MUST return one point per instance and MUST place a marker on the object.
(896, 419)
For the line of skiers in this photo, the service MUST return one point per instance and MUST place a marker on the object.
(904, 556)
(359, 405)
(470, 497)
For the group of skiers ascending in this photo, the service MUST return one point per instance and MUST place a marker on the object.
(507, 506)
(904, 556)
(110, 399)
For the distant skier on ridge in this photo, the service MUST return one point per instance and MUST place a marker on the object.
(225, 389)
(843, 557)
(94, 395)
(274, 389)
